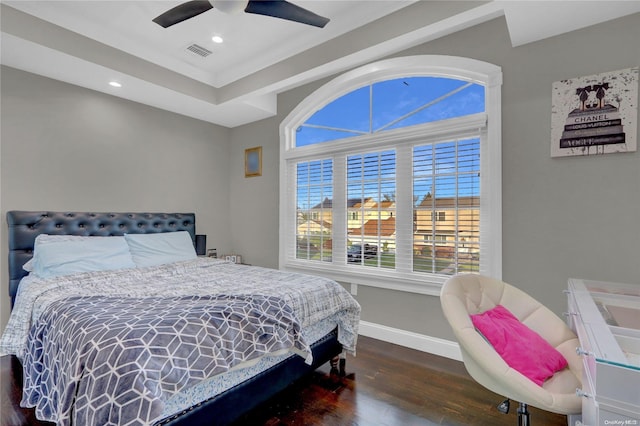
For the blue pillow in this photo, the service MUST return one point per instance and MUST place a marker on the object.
(57, 258)
(157, 249)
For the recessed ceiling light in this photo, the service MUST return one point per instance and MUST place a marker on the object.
(115, 84)
(217, 39)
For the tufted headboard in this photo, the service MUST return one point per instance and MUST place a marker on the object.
(25, 226)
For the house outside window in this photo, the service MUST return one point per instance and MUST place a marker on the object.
(386, 175)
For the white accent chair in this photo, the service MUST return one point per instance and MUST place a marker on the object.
(466, 294)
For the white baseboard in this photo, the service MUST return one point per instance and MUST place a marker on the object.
(409, 339)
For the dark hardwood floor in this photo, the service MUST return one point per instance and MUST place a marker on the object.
(384, 385)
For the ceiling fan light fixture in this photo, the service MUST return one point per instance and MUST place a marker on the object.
(229, 6)
(217, 39)
(278, 9)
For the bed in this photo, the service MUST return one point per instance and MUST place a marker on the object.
(275, 326)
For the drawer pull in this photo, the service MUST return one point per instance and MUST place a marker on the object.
(570, 314)
(581, 351)
(581, 393)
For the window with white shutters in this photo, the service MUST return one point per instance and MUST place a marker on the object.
(446, 190)
(314, 218)
(391, 184)
(371, 189)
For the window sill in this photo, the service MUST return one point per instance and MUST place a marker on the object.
(373, 277)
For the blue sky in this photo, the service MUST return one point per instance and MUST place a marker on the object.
(388, 101)
(380, 106)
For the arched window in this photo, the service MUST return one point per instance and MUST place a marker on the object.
(390, 174)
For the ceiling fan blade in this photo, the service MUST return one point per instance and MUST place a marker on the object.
(285, 10)
(182, 12)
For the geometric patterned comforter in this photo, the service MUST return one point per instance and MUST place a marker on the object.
(100, 300)
(116, 360)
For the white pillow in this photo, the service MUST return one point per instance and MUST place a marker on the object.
(43, 239)
(157, 249)
(47, 238)
(28, 266)
(64, 256)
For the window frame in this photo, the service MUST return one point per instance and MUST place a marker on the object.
(489, 75)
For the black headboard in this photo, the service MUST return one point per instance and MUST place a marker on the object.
(25, 226)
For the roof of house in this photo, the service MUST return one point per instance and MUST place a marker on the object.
(320, 223)
(376, 227)
(468, 201)
(327, 203)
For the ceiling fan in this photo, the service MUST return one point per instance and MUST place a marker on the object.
(277, 9)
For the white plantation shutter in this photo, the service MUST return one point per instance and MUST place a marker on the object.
(446, 181)
(314, 211)
(371, 207)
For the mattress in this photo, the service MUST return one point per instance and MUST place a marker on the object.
(225, 381)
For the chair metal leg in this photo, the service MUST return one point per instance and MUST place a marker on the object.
(503, 407)
(523, 412)
(523, 415)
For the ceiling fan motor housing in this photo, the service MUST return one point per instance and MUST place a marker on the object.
(229, 6)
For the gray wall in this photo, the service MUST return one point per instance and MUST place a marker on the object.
(254, 200)
(69, 148)
(562, 217)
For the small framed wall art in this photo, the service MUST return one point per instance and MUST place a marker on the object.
(596, 114)
(253, 162)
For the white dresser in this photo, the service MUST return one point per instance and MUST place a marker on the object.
(606, 318)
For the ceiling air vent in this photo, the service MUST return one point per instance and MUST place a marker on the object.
(199, 50)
